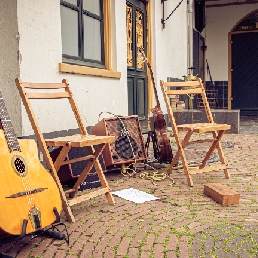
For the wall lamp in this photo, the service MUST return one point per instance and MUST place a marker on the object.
(163, 11)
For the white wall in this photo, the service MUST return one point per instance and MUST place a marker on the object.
(169, 44)
(41, 52)
(220, 21)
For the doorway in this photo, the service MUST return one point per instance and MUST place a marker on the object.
(136, 70)
(244, 63)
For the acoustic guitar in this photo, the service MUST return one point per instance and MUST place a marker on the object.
(29, 197)
(164, 152)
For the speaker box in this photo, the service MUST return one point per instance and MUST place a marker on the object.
(128, 146)
(68, 174)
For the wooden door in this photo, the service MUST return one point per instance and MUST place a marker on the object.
(136, 70)
(243, 76)
(244, 73)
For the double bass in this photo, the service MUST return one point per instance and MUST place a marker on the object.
(161, 142)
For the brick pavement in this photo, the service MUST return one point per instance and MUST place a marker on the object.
(182, 223)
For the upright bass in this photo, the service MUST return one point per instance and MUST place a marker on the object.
(161, 142)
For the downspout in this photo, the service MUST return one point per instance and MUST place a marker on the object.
(190, 36)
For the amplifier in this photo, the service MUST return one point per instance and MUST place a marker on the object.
(128, 146)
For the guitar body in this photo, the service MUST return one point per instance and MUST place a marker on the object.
(22, 172)
(164, 152)
(163, 142)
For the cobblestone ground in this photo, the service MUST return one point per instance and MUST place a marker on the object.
(182, 223)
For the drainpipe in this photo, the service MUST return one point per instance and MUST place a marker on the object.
(190, 35)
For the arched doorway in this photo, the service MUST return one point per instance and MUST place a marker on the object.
(243, 65)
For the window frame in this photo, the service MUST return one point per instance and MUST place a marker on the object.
(80, 60)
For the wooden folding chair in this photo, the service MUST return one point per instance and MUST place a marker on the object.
(57, 91)
(217, 130)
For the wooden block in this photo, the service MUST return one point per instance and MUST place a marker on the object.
(221, 194)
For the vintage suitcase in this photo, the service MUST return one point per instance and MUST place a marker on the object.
(221, 194)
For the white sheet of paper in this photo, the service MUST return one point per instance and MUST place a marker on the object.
(135, 195)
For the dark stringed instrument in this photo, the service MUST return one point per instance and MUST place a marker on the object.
(29, 197)
(164, 152)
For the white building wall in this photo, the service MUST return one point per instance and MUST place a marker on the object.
(41, 51)
(40, 47)
(169, 44)
(220, 21)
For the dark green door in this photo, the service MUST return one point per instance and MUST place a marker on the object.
(244, 73)
(136, 73)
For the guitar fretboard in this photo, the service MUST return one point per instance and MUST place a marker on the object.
(6, 123)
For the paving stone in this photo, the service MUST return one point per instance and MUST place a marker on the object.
(164, 227)
(147, 246)
(123, 246)
(158, 250)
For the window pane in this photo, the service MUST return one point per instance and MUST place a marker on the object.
(92, 6)
(69, 19)
(92, 38)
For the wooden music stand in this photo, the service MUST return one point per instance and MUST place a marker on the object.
(217, 130)
(60, 91)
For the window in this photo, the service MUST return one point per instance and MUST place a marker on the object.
(82, 23)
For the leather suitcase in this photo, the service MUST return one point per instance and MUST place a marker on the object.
(221, 194)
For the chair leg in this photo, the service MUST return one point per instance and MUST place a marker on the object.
(100, 173)
(53, 172)
(181, 153)
(104, 182)
(186, 169)
(66, 207)
(223, 160)
(94, 162)
(180, 146)
(87, 169)
(216, 140)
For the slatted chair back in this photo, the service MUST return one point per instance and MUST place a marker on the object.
(51, 91)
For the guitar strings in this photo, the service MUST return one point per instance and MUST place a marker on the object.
(13, 145)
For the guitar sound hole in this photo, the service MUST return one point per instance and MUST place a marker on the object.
(19, 165)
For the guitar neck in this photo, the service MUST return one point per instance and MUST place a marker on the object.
(154, 86)
(6, 123)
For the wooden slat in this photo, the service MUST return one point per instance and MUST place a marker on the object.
(88, 196)
(43, 85)
(207, 169)
(70, 161)
(79, 140)
(200, 141)
(189, 165)
(182, 84)
(53, 95)
(180, 92)
(203, 127)
(69, 191)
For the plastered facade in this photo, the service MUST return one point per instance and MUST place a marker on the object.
(37, 25)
